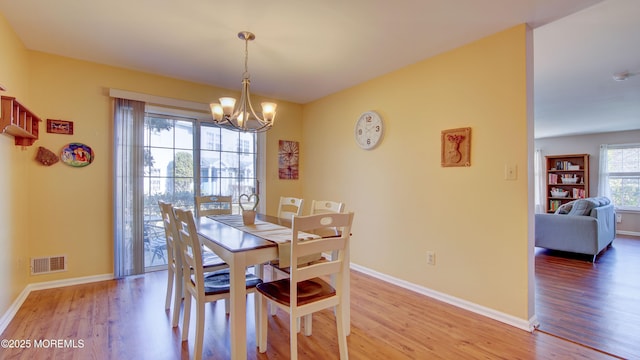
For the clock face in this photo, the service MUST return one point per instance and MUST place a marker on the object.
(368, 131)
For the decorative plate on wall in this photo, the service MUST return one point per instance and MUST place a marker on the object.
(77, 155)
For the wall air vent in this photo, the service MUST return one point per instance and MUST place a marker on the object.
(45, 265)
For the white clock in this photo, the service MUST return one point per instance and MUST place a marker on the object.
(368, 131)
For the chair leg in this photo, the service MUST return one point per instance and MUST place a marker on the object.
(260, 321)
(177, 297)
(170, 276)
(308, 321)
(186, 315)
(342, 336)
(197, 348)
(293, 336)
(272, 307)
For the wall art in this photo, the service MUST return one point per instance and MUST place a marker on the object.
(46, 157)
(456, 147)
(60, 127)
(77, 155)
(288, 157)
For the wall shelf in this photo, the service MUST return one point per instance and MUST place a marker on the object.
(19, 122)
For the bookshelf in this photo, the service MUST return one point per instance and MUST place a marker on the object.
(567, 179)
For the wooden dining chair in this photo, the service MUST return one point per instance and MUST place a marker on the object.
(174, 263)
(317, 207)
(306, 291)
(213, 205)
(201, 288)
(289, 207)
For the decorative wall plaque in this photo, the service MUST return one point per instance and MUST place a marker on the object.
(456, 147)
(60, 127)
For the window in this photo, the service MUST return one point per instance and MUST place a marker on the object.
(227, 165)
(622, 175)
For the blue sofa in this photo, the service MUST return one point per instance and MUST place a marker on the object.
(584, 226)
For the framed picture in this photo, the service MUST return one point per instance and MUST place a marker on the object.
(288, 155)
(59, 127)
(456, 147)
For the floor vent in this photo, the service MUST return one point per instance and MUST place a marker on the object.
(45, 265)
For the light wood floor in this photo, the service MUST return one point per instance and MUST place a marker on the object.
(596, 304)
(126, 319)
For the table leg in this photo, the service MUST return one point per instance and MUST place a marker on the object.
(346, 292)
(261, 314)
(238, 312)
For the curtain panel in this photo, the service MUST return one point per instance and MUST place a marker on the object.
(603, 176)
(540, 181)
(128, 205)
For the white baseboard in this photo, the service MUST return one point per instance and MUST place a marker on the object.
(529, 325)
(13, 309)
(629, 233)
(15, 306)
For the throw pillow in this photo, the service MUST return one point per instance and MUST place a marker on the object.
(565, 208)
(582, 207)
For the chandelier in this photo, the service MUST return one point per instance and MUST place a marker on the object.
(243, 117)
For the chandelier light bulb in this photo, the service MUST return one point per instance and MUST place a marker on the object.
(216, 112)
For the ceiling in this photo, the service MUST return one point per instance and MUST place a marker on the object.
(305, 50)
(574, 62)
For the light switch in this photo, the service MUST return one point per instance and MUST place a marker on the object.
(510, 172)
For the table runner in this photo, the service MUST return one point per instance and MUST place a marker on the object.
(273, 232)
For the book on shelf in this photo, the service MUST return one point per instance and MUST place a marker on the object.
(554, 205)
(553, 178)
(579, 193)
(566, 165)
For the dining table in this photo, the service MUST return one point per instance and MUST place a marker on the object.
(242, 247)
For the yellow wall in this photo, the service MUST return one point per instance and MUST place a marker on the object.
(14, 195)
(405, 203)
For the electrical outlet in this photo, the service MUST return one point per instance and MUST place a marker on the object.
(618, 218)
(431, 258)
(510, 172)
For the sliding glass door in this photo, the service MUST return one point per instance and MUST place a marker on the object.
(175, 171)
(168, 175)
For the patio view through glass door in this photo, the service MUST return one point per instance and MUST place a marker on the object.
(175, 171)
(167, 175)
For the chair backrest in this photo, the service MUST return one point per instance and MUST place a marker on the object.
(289, 207)
(170, 232)
(190, 248)
(326, 206)
(213, 205)
(301, 248)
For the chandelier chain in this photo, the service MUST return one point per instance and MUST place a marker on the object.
(246, 58)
